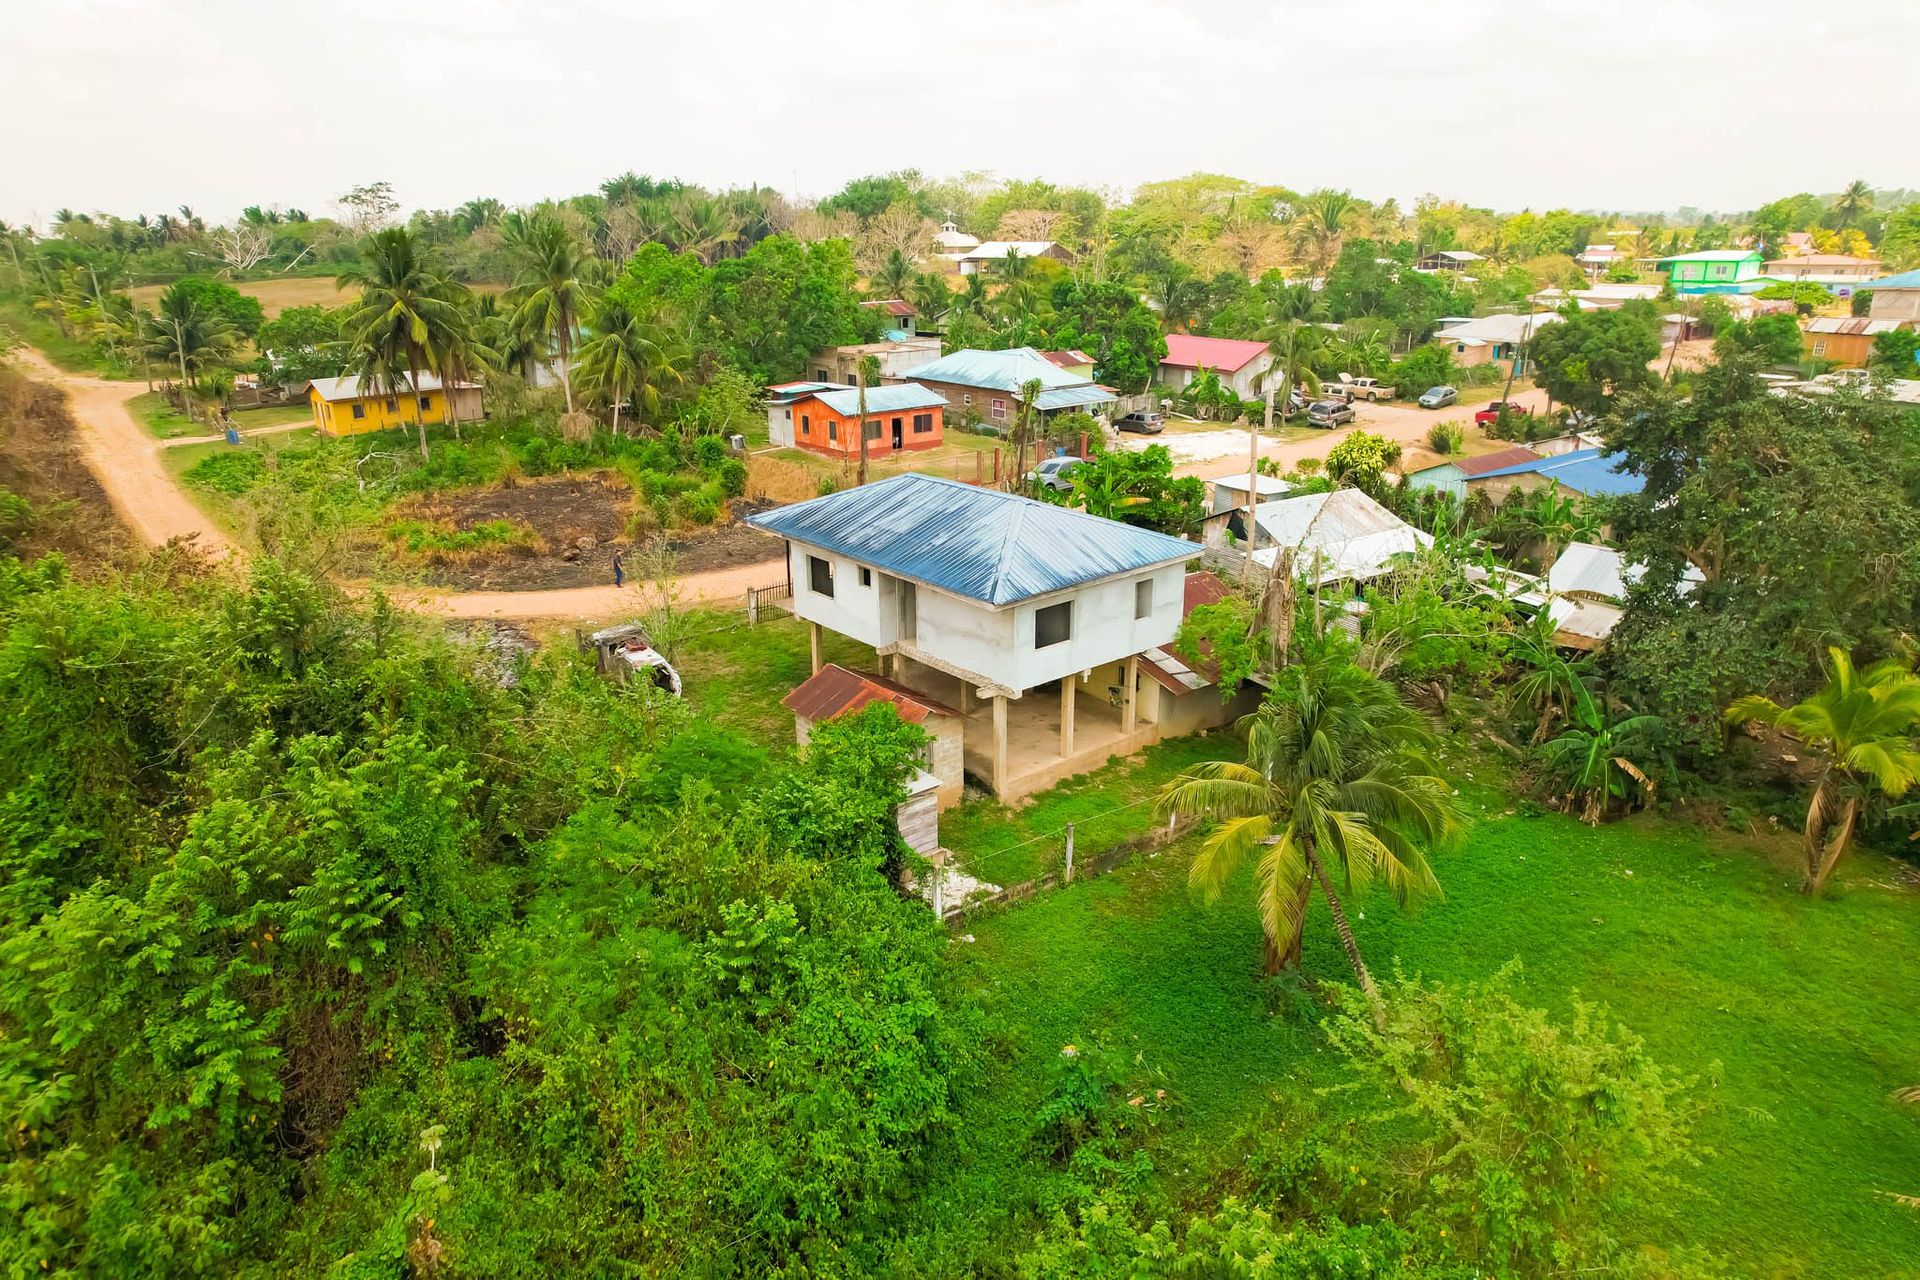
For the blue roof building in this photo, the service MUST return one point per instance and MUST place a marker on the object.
(967, 593)
(987, 383)
(1587, 472)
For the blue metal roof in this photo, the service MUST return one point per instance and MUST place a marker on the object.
(1012, 369)
(1587, 471)
(994, 547)
(1905, 280)
(891, 398)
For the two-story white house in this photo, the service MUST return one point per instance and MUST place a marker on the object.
(1028, 618)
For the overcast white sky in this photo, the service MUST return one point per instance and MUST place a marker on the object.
(140, 105)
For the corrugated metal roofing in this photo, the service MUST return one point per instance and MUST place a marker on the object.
(1012, 369)
(1345, 532)
(892, 398)
(1518, 455)
(1713, 255)
(834, 690)
(1224, 355)
(1507, 328)
(1589, 570)
(998, 548)
(1905, 280)
(1588, 471)
(1859, 326)
(348, 388)
(893, 306)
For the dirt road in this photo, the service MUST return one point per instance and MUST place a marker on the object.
(1225, 451)
(126, 459)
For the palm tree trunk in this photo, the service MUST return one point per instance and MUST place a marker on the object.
(566, 375)
(1820, 865)
(186, 391)
(1347, 941)
(413, 394)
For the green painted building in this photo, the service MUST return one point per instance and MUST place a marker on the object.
(1715, 271)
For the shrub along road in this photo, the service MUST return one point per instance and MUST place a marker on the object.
(126, 460)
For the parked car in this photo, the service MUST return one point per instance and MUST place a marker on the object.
(1438, 397)
(1143, 422)
(1329, 413)
(1056, 473)
(1490, 414)
(1332, 390)
(1365, 388)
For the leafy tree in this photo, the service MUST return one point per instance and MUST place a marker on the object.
(1338, 780)
(1804, 294)
(1110, 323)
(1800, 513)
(873, 195)
(1138, 487)
(1898, 352)
(1362, 460)
(1292, 333)
(1550, 684)
(1774, 338)
(781, 301)
(1862, 725)
(301, 343)
(1422, 367)
(238, 311)
(1591, 356)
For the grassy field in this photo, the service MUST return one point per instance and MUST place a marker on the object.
(280, 293)
(168, 423)
(1799, 1018)
(736, 675)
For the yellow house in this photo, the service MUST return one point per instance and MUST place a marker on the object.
(342, 408)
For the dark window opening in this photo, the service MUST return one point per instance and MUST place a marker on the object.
(1143, 598)
(820, 576)
(1053, 624)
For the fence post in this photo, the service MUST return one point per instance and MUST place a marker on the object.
(939, 897)
(753, 606)
(1069, 853)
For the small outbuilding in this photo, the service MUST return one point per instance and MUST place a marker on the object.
(835, 690)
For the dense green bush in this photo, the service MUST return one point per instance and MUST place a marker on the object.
(325, 951)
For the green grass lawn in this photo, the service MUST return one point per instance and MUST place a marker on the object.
(1799, 1017)
(736, 675)
(167, 423)
(181, 458)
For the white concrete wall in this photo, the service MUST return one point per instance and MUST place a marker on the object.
(996, 644)
(780, 424)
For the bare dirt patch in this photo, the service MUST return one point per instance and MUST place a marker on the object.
(279, 294)
(576, 523)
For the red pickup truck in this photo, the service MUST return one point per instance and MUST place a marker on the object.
(1489, 415)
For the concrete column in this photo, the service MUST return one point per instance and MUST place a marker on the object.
(999, 743)
(813, 645)
(966, 696)
(1066, 716)
(1129, 711)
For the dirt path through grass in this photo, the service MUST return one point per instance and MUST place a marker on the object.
(126, 460)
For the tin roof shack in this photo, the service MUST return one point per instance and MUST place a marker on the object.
(898, 359)
(1452, 474)
(1180, 689)
(982, 600)
(1587, 589)
(1498, 340)
(1240, 364)
(1845, 340)
(836, 691)
(1581, 473)
(1339, 536)
(901, 418)
(1894, 297)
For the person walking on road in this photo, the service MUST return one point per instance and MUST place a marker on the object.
(619, 568)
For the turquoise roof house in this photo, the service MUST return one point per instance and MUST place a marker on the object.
(1715, 271)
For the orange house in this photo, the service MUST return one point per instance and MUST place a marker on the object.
(900, 418)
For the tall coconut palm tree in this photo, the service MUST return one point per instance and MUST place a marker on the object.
(930, 296)
(894, 276)
(629, 358)
(1851, 204)
(551, 288)
(1292, 333)
(1318, 229)
(188, 335)
(406, 312)
(1338, 786)
(1861, 724)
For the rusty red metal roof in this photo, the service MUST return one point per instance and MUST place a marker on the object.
(1485, 462)
(834, 690)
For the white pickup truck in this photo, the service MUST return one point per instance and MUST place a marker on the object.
(1364, 388)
